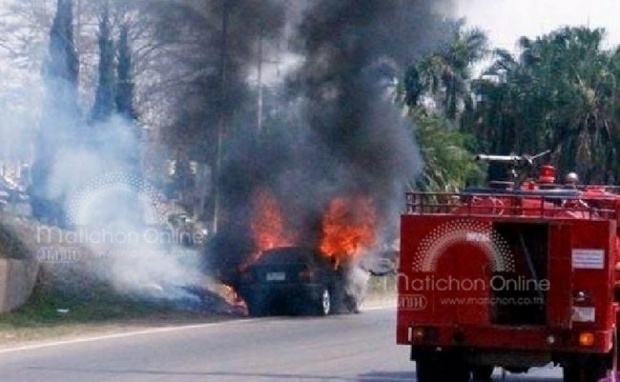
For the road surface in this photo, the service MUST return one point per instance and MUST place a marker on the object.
(339, 348)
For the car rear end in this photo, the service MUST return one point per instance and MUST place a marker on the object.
(286, 280)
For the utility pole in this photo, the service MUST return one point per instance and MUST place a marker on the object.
(259, 80)
(259, 113)
(223, 116)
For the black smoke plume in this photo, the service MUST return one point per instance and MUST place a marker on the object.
(343, 133)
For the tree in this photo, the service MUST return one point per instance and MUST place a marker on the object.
(448, 161)
(560, 93)
(445, 74)
(60, 111)
(60, 68)
(436, 89)
(125, 85)
(104, 105)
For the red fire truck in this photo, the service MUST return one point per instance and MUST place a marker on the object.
(515, 275)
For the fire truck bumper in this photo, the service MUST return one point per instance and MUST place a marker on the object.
(532, 339)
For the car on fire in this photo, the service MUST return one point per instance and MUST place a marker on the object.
(296, 280)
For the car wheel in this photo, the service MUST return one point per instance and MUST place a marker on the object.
(257, 307)
(325, 302)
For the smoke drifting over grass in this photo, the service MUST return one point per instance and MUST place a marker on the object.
(342, 135)
(116, 220)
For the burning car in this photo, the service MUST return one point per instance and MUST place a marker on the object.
(296, 280)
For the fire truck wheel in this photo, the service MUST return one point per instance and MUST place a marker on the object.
(482, 373)
(585, 368)
(442, 367)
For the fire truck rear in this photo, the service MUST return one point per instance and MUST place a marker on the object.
(512, 277)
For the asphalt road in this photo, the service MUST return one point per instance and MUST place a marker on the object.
(339, 348)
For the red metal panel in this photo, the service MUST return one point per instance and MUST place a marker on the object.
(596, 280)
(446, 267)
(559, 296)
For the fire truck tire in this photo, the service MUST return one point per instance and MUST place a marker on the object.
(436, 368)
(481, 373)
(585, 368)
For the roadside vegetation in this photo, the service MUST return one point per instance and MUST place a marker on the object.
(61, 314)
(559, 92)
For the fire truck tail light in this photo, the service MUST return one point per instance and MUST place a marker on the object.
(418, 334)
(424, 334)
(586, 339)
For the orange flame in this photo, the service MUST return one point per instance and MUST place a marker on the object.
(268, 224)
(348, 226)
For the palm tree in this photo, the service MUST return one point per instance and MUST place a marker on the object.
(448, 162)
(435, 90)
(445, 74)
(558, 94)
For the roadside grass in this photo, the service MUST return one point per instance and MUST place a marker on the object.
(55, 315)
(381, 290)
(382, 285)
(93, 309)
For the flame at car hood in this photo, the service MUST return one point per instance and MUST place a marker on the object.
(348, 226)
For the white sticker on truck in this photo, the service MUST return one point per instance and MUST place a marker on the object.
(588, 258)
(583, 314)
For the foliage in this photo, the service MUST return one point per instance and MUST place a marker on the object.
(437, 89)
(104, 97)
(60, 111)
(560, 93)
(448, 162)
(444, 75)
(125, 85)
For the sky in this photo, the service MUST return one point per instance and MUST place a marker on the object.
(507, 20)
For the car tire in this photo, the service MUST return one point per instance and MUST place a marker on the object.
(257, 307)
(324, 304)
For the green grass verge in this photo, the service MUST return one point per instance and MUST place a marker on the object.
(53, 315)
(382, 285)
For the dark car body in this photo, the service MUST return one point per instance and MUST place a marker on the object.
(295, 280)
